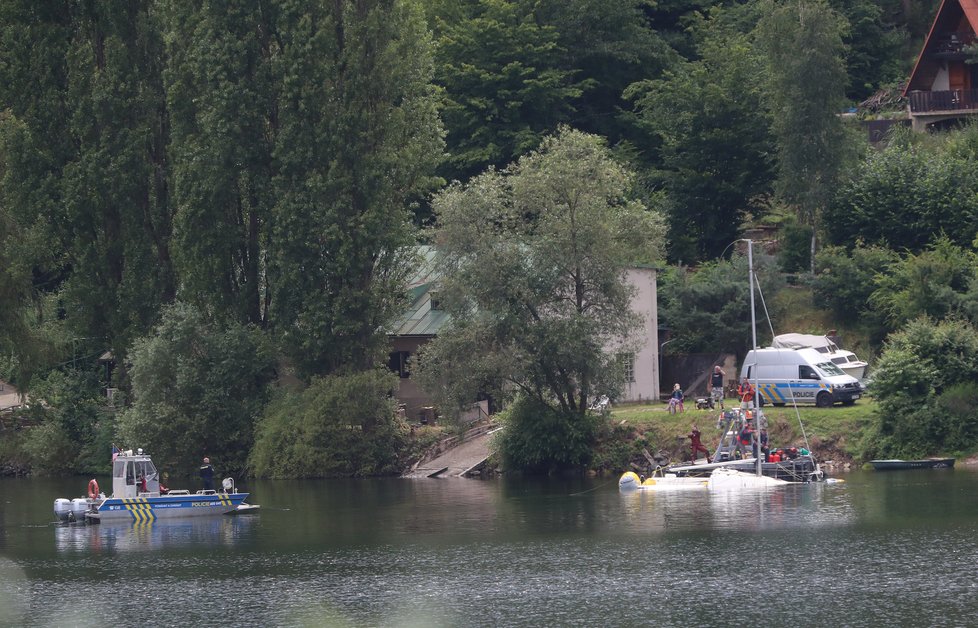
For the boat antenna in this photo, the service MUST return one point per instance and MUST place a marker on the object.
(770, 326)
(753, 346)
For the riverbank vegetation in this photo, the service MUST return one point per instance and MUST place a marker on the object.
(208, 214)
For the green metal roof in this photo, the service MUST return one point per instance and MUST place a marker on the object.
(419, 319)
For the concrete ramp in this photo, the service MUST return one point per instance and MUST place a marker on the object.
(458, 459)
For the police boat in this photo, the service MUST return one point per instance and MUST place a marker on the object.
(138, 496)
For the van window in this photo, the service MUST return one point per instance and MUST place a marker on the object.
(807, 372)
(748, 373)
(830, 369)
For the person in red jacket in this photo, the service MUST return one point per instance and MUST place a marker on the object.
(746, 393)
(696, 444)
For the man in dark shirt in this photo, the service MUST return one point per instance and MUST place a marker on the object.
(207, 474)
(716, 386)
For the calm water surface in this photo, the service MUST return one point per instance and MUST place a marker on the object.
(897, 549)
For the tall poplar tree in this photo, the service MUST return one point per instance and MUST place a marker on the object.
(115, 194)
(802, 43)
(221, 92)
(358, 138)
(34, 38)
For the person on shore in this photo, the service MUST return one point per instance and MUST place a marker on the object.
(697, 445)
(716, 386)
(676, 400)
(207, 475)
(746, 393)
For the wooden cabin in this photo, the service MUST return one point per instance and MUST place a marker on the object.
(942, 85)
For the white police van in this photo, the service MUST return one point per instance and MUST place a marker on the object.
(799, 376)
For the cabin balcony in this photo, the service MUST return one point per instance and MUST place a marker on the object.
(952, 100)
(952, 46)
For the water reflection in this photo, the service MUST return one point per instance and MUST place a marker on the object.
(759, 509)
(153, 535)
(508, 553)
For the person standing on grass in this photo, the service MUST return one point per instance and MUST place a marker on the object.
(716, 386)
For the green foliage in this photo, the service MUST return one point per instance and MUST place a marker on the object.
(198, 390)
(221, 93)
(875, 47)
(358, 139)
(714, 157)
(933, 283)
(533, 261)
(68, 420)
(50, 449)
(795, 253)
(504, 83)
(616, 444)
(341, 425)
(708, 310)
(922, 383)
(804, 94)
(538, 438)
(117, 213)
(844, 281)
(902, 196)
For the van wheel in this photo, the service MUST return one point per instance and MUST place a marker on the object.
(823, 400)
(779, 405)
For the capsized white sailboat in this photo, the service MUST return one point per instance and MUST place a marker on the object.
(732, 479)
(631, 481)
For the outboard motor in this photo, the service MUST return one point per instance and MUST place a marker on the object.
(62, 509)
(79, 506)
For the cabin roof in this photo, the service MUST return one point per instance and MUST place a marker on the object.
(945, 21)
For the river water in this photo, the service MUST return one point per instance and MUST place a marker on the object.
(897, 548)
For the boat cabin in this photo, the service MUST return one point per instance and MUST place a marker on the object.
(943, 85)
(134, 475)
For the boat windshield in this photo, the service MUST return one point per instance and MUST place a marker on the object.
(146, 469)
(829, 369)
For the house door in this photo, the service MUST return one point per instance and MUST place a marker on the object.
(959, 80)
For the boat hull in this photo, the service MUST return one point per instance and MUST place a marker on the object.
(144, 509)
(630, 481)
(897, 465)
(800, 469)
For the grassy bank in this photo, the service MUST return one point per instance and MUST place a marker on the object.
(834, 434)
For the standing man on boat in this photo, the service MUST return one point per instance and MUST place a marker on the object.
(207, 474)
(716, 386)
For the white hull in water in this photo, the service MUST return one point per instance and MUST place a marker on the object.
(731, 479)
(630, 481)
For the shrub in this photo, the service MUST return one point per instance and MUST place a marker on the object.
(923, 383)
(341, 425)
(198, 389)
(538, 439)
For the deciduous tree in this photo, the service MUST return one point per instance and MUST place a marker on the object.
(533, 260)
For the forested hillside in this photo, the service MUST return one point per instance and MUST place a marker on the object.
(220, 194)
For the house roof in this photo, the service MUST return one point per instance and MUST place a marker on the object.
(945, 21)
(420, 319)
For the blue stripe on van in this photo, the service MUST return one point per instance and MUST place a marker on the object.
(782, 392)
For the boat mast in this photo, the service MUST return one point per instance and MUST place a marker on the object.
(753, 345)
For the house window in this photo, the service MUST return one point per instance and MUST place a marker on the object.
(398, 362)
(435, 301)
(627, 363)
